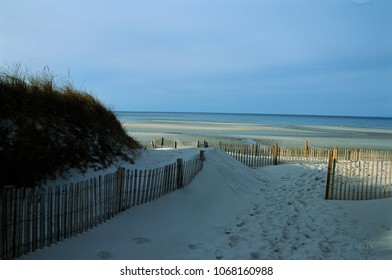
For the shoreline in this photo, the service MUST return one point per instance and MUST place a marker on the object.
(146, 131)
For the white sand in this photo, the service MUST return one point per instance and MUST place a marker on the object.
(231, 211)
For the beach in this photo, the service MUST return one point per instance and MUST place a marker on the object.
(233, 212)
(265, 134)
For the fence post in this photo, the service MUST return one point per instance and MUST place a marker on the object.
(329, 174)
(306, 149)
(202, 156)
(120, 187)
(180, 176)
(275, 154)
(335, 152)
(256, 149)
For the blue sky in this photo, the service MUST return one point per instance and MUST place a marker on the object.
(331, 57)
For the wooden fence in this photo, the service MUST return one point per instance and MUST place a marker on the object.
(32, 218)
(353, 174)
(174, 144)
(257, 155)
(359, 175)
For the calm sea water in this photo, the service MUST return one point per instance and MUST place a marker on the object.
(275, 120)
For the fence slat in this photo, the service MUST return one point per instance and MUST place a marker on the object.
(144, 187)
(64, 211)
(76, 210)
(49, 217)
(28, 219)
(70, 210)
(82, 208)
(105, 197)
(42, 221)
(91, 204)
(96, 203)
(371, 179)
(34, 220)
(86, 205)
(148, 191)
(57, 215)
(101, 197)
(18, 223)
(139, 188)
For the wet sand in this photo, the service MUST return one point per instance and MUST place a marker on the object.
(213, 132)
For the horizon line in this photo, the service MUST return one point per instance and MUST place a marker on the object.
(265, 114)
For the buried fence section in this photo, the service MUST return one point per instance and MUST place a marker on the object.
(360, 176)
(32, 218)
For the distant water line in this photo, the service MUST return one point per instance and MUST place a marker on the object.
(278, 120)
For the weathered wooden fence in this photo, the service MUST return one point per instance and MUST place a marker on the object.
(256, 155)
(174, 144)
(32, 218)
(359, 175)
(353, 174)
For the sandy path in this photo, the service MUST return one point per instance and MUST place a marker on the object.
(284, 221)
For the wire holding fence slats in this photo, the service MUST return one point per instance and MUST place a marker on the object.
(34, 218)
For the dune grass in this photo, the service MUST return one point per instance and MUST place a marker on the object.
(46, 128)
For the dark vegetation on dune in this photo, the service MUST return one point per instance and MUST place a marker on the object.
(46, 129)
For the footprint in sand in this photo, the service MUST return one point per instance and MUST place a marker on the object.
(325, 246)
(219, 254)
(104, 255)
(255, 255)
(241, 224)
(141, 240)
(265, 181)
(234, 239)
(195, 246)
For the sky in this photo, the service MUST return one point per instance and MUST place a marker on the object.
(323, 57)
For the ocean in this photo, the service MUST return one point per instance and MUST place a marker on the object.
(276, 120)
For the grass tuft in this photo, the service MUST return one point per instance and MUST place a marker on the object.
(46, 129)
